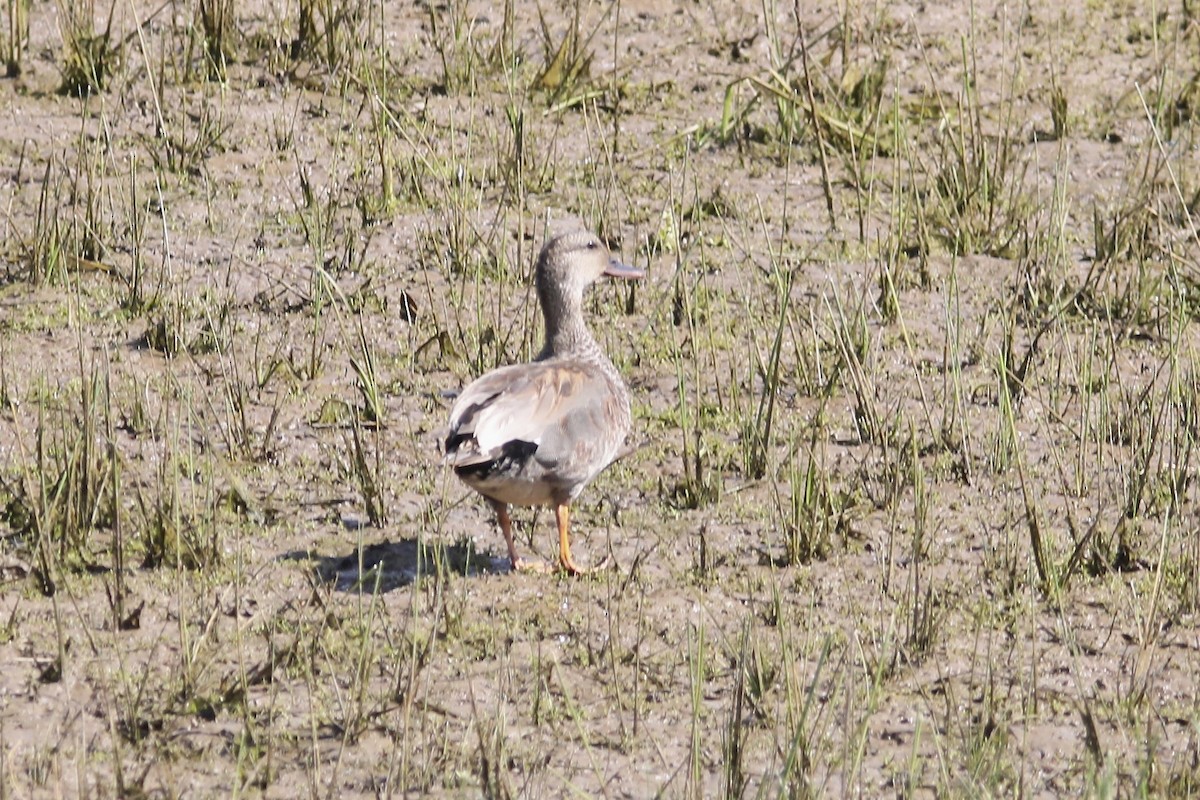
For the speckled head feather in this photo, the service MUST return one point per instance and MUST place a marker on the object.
(568, 264)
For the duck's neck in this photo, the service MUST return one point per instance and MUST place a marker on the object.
(566, 333)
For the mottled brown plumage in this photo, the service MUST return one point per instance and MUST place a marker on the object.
(538, 433)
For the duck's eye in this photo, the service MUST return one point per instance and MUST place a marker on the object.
(593, 244)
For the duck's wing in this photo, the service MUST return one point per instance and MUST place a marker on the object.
(555, 414)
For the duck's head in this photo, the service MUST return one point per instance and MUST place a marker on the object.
(570, 262)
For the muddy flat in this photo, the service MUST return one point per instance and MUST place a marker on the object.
(908, 508)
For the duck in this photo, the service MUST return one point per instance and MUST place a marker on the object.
(537, 433)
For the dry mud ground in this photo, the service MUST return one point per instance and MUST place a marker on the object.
(913, 509)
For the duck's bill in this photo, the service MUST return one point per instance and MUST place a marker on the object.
(616, 269)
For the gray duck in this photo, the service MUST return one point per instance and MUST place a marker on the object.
(536, 434)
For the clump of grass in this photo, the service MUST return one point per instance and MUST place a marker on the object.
(185, 138)
(72, 227)
(178, 531)
(1043, 264)
(332, 31)
(167, 332)
(833, 115)
(480, 270)
(757, 436)
(66, 490)
(45, 252)
(90, 58)
(217, 28)
(13, 45)
(567, 66)
(452, 29)
(978, 185)
(853, 346)
(366, 466)
(1059, 111)
(809, 512)
(978, 200)
(699, 487)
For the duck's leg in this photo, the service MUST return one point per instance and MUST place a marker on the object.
(562, 515)
(518, 563)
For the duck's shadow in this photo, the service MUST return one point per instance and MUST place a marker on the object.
(387, 566)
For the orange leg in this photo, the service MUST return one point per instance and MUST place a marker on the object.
(518, 563)
(506, 528)
(562, 514)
